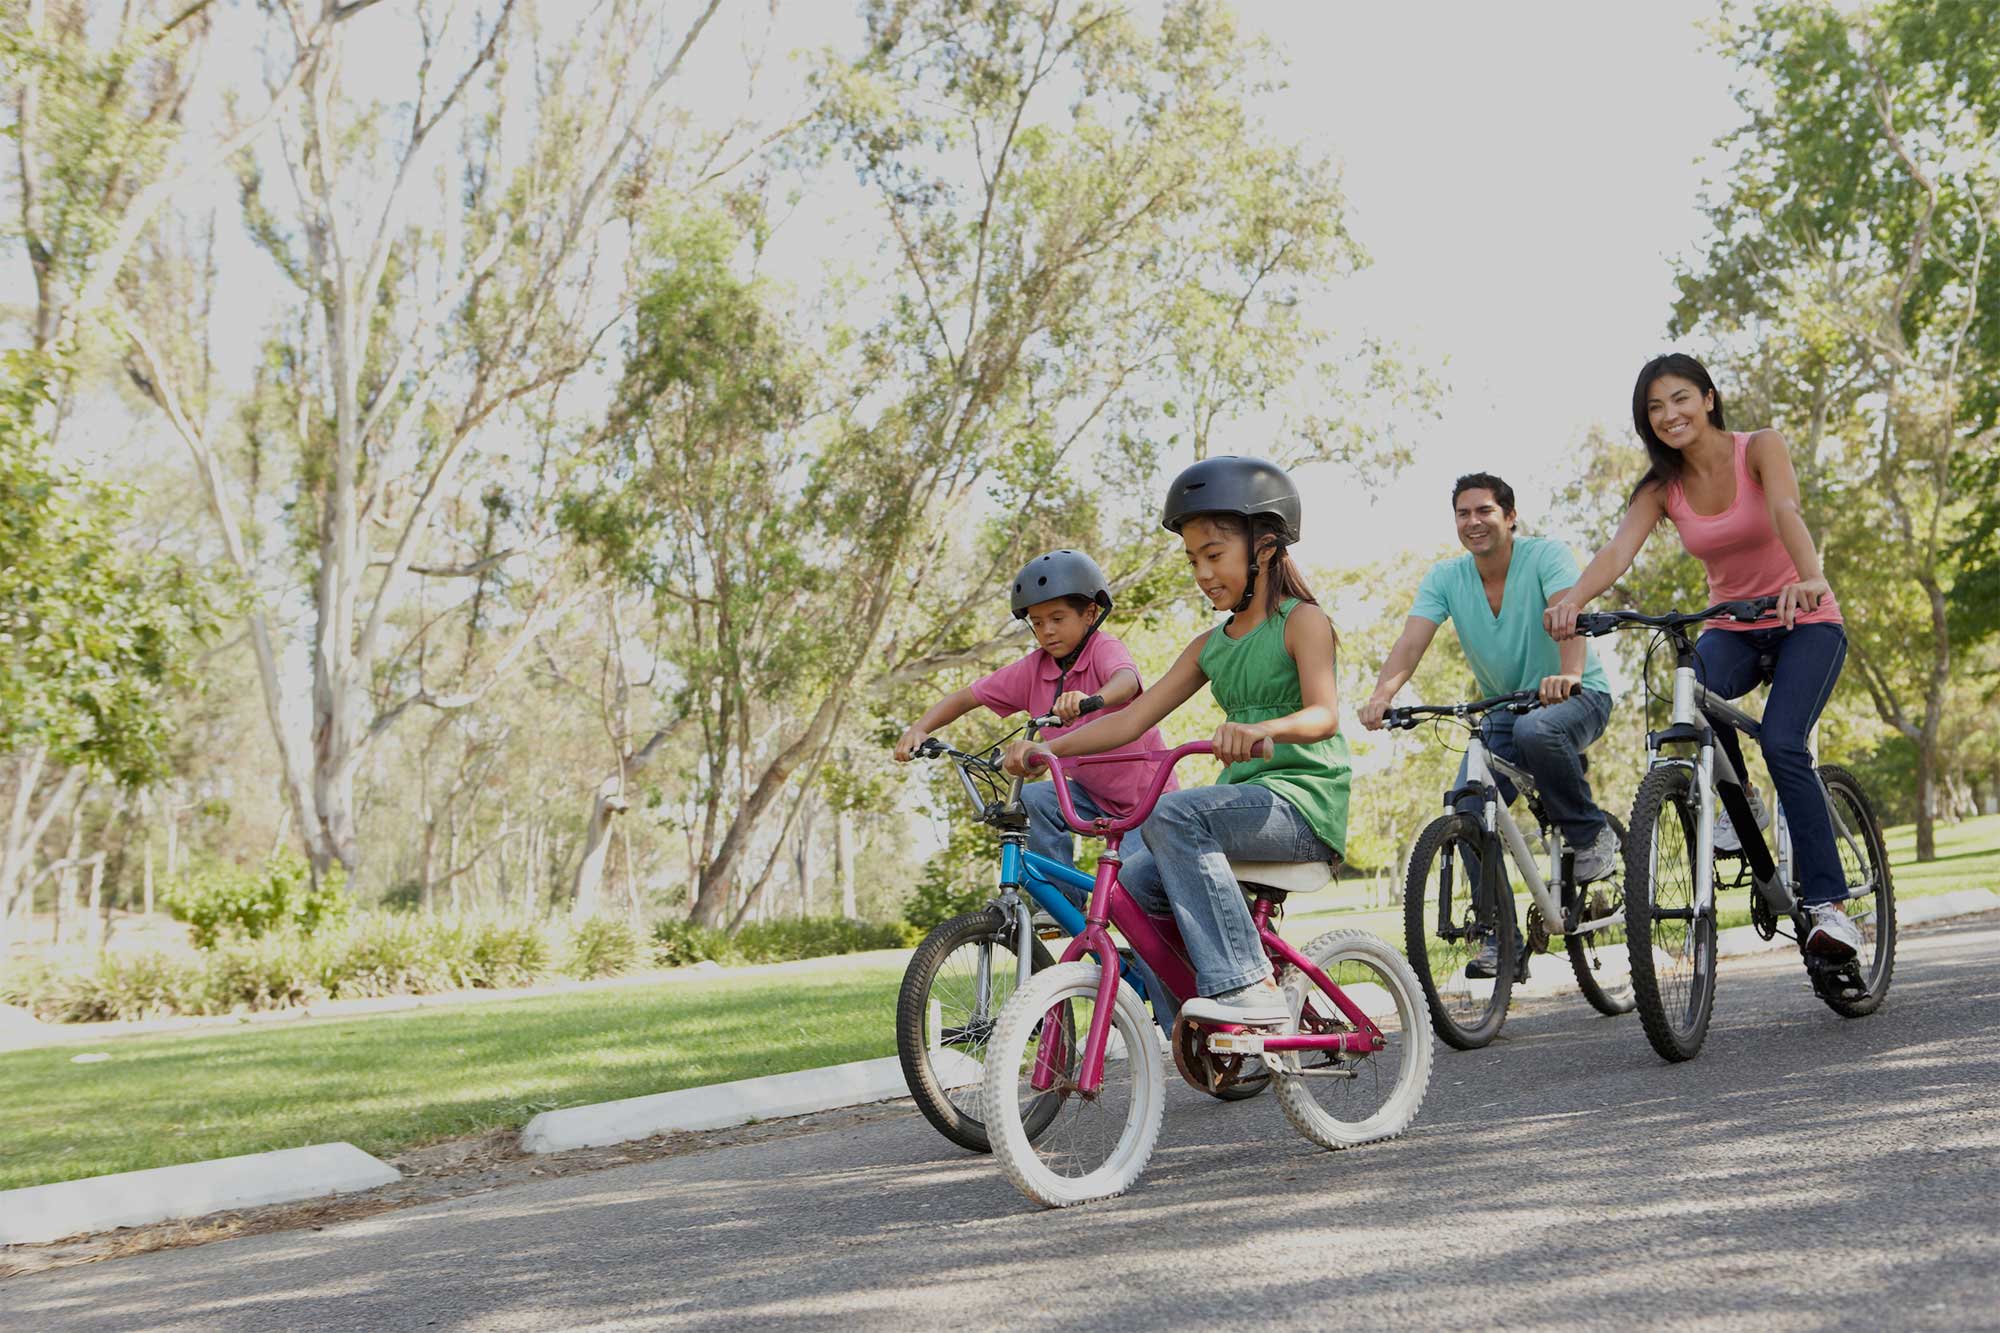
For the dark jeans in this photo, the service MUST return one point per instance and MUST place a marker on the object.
(1806, 662)
(1549, 742)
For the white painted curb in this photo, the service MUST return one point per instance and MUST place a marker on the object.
(720, 1105)
(135, 1198)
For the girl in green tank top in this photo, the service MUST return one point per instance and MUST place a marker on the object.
(1283, 791)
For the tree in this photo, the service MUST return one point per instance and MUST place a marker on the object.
(1853, 238)
(94, 636)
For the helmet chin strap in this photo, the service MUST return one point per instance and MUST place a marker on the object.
(1250, 583)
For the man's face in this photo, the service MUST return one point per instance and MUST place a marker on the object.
(1483, 526)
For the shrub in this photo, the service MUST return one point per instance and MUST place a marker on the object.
(508, 951)
(381, 954)
(224, 899)
(121, 986)
(601, 947)
(277, 971)
(681, 943)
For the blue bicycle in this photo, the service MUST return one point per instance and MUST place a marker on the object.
(965, 970)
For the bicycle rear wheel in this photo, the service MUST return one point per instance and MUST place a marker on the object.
(1672, 948)
(1864, 865)
(1599, 957)
(1445, 926)
(1095, 1144)
(945, 1015)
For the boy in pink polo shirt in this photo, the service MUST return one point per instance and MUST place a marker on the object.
(1064, 598)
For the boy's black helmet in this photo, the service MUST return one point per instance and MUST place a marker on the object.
(1230, 484)
(1059, 574)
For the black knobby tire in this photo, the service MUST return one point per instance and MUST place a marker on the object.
(945, 958)
(1587, 952)
(1875, 913)
(1673, 957)
(1466, 1014)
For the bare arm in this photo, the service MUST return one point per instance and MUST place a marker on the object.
(1648, 507)
(1404, 658)
(1771, 464)
(1120, 688)
(1172, 690)
(1569, 664)
(946, 710)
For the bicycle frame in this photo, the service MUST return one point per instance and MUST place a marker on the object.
(1481, 765)
(1158, 943)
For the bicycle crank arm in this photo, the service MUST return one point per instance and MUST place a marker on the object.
(1246, 1042)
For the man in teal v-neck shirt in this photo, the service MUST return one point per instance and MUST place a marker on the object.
(1494, 595)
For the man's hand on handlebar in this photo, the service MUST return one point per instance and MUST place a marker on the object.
(1559, 687)
(1372, 713)
(1015, 762)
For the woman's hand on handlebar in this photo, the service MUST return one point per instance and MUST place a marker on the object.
(1372, 713)
(1015, 762)
(906, 747)
(1804, 595)
(1560, 619)
(1239, 742)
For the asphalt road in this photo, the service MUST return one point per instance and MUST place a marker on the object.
(1804, 1172)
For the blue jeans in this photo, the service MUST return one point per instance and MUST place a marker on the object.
(1050, 836)
(1549, 742)
(1184, 869)
(1806, 661)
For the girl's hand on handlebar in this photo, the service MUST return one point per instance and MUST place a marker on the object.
(1560, 619)
(1070, 706)
(1801, 596)
(1016, 760)
(1239, 742)
(1557, 688)
(906, 748)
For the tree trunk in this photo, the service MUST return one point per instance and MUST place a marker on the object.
(843, 861)
(94, 921)
(1926, 800)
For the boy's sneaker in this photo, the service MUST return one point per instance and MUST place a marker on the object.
(1726, 837)
(1258, 1005)
(1600, 858)
(1833, 934)
(1485, 965)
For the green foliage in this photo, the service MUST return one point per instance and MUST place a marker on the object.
(679, 943)
(95, 633)
(222, 900)
(601, 947)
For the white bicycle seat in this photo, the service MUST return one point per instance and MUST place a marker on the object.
(1284, 876)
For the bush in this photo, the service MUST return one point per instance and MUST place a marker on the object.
(383, 954)
(231, 900)
(682, 943)
(280, 970)
(601, 947)
(121, 986)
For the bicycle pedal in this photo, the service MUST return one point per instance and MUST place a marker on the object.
(1239, 1041)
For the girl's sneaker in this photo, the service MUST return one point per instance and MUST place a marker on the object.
(1259, 1005)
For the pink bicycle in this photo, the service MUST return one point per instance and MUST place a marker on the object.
(1352, 1068)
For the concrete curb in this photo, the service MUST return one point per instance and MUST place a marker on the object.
(720, 1105)
(41, 1213)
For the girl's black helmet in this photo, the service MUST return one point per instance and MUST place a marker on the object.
(1059, 574)
(1234, 485)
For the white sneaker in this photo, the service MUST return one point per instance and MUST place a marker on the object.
(1259, 1005)
(1600, 858)
(1833, 934)
(1726, 838)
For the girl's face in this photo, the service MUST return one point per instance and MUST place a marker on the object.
(1059, 627)
(1219, 559)
(1677, 410)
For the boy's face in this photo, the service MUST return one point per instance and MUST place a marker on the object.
(1059, 627)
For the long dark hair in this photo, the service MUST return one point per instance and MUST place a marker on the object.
(1278, 575)
(1665, 464)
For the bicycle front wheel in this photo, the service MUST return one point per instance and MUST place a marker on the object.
(1337, 1100)
(951, 996)
(1671, 946)
(1864, 864)
(1598, 954)
(1096, 1143)
(1446, 926)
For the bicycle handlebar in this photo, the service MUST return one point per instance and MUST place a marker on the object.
(1595, 623)
(1403, 719)
(1100, 827)
(1091, 703)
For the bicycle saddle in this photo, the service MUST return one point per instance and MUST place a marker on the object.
(1283, 876)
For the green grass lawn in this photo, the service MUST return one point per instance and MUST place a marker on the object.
(392, 1081)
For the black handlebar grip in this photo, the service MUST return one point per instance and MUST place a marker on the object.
(1090, 704)
(1596, 622)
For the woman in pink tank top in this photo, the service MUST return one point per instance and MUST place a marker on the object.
(1734, 499)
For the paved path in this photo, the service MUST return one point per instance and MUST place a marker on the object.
(1804, 1172)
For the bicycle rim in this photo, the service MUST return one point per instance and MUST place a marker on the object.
(1672, 951)
(1444, 929)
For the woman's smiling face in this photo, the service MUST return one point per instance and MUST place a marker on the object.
(1677, 410)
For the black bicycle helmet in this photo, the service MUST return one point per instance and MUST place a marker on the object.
(1059, 574)
(1233, 485)
(1251, 488)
